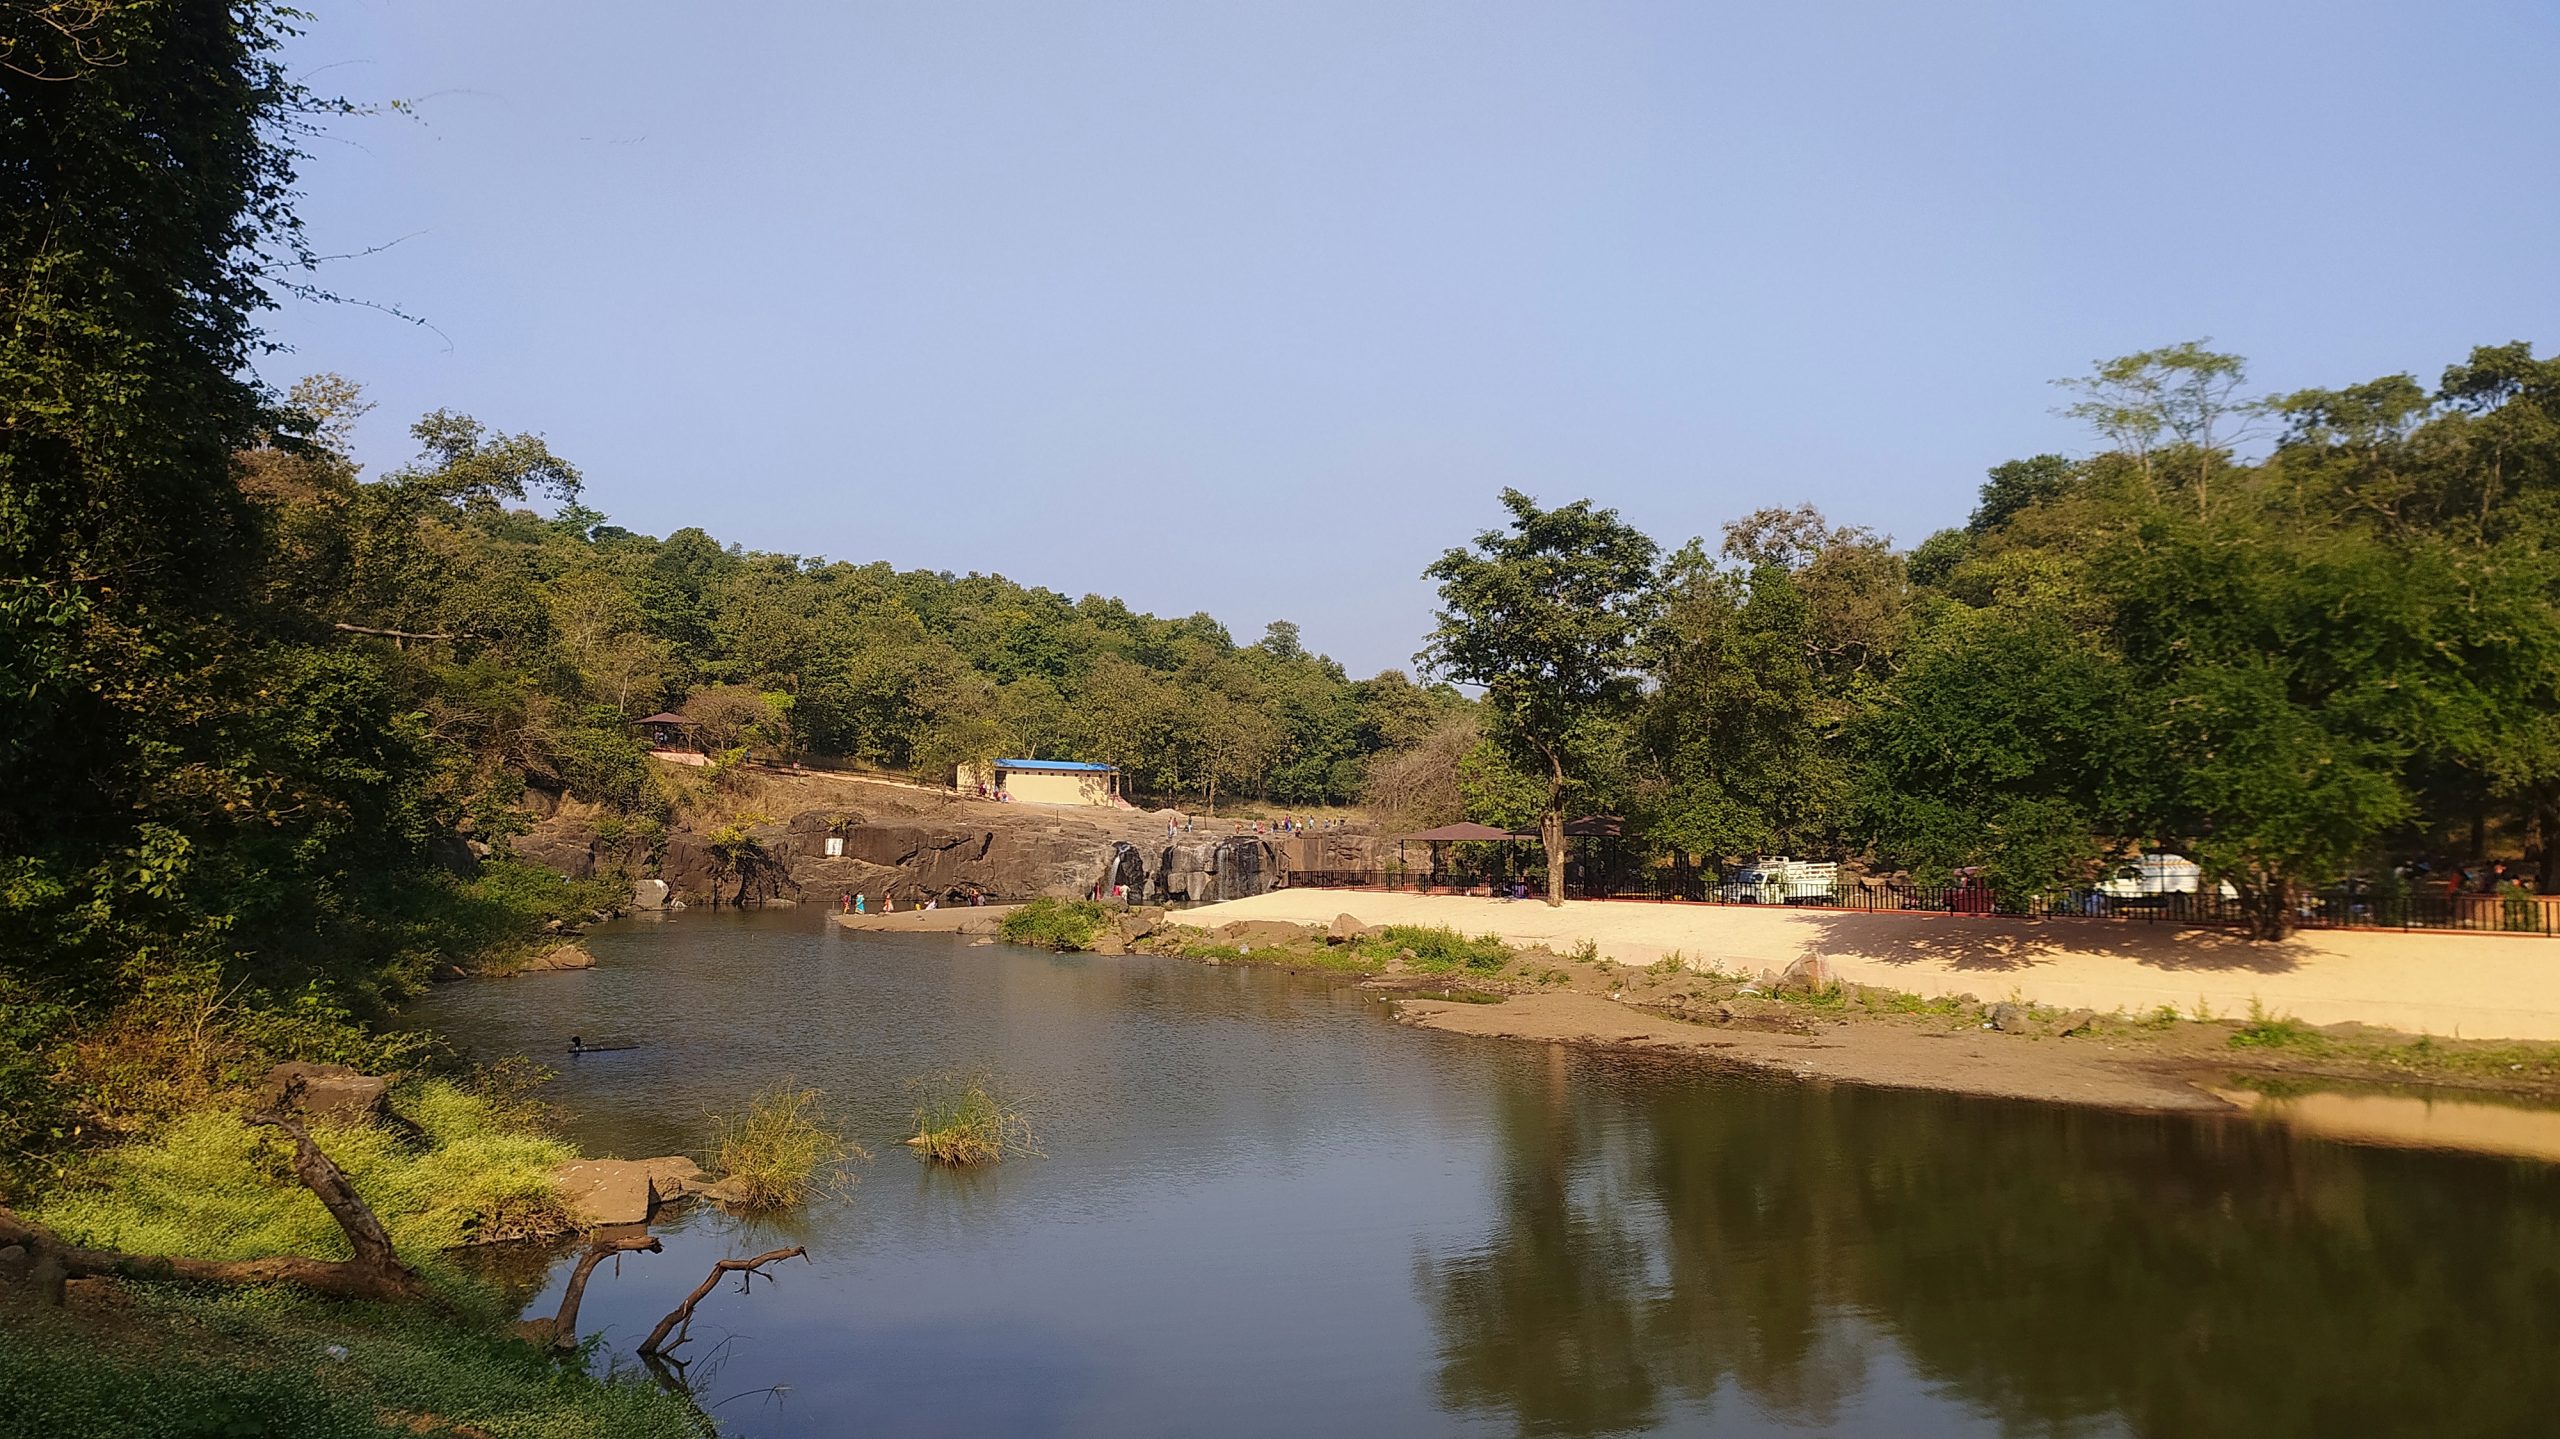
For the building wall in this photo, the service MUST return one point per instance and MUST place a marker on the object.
(1053, 787)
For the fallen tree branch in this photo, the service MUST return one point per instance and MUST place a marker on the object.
(560, 1331)
(374, 1273)
(682, 1316)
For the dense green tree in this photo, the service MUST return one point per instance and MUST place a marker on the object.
(1549, 615)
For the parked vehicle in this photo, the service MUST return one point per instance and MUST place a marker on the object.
(2151, 878)
(1783, 881)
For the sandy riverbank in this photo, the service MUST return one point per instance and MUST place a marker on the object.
(2482, 986)
(959, 919)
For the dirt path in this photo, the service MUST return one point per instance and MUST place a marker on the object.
(2477, 986)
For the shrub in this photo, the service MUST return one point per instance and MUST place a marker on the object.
(1055, 924)
(1438, 947)
(964, 1119)
(776, 1149)
(2266, 1031)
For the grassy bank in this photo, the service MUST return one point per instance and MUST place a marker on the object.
(156, 1360)
(456, 1163)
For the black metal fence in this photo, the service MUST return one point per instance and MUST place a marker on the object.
(2327, 909)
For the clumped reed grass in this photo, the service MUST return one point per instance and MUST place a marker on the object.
(783, 1149)
(967, 1119)
(1055, 924)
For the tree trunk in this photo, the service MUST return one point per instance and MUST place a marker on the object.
(1551, 829)
(2267, 905)
(374, 1273)
(2546, 829)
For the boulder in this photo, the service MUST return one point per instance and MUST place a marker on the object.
(603, 1192)
(559, 956)
(2078, 1021)
(673, 1177)
(1109, 942)
(328, 1093)
(649, 894)
(1135, 927)
(1808, 975)
(2011, 1018)
(1346, 930)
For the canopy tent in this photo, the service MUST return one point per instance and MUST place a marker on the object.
(1459, 832)
(1589, 826)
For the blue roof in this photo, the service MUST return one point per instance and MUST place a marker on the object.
(1074, 764)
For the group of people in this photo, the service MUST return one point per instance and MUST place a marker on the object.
(861, 903)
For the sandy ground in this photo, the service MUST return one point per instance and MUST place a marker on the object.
(958, 919)
(2472, 986)
(2073, 1071)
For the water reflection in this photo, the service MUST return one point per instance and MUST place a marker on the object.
(1264, 1210)
(2059, 1271)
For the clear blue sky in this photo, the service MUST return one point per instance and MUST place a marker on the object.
(1252, 308)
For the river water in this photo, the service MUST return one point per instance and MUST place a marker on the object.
(1265, 1209)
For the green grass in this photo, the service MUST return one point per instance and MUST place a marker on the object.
(966, 1119)
(211, 1186)
(1436, 948)
(778, 1148)
(180, 1362)
(1055, 924)
(1344, 958)
(2266, 1031)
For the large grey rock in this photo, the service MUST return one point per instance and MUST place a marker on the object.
(2011, 1018)
(2078, 1021)
(328, 1093)
(603, 1192)
(1346, 930)
(648, 894)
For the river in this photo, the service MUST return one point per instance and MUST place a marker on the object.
(1265, 1209)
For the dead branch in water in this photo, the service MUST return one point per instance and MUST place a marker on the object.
(682, 1316)
(560, 1331)
(374, 1273)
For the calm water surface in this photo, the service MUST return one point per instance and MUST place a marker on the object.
(1264, 1209)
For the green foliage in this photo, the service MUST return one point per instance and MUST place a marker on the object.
(1436, 948)
(776, 1151)
(1054, 924)
(964, 1120)
(212, 1186)
(1549, 615)
(190, 1363)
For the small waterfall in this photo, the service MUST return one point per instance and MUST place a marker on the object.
(1125, 867)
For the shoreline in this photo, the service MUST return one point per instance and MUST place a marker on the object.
(2465, 986)
(2348, 1081)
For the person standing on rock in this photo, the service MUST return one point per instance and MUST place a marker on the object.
(858, 901)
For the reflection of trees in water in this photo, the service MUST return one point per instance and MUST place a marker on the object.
(1543, 1321)
(2054, 1267)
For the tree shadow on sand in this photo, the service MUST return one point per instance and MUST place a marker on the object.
(2002, 943)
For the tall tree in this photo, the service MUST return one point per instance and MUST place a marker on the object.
(1548, 615)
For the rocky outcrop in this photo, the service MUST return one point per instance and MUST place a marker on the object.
(892, 840)
(326, 1093)
(562, 956)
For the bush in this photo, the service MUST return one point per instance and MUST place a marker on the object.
(1438, 947)
(965, 1119)
(1055, 924)
(776, 1149)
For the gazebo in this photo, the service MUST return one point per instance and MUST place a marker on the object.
(666, 730)
(1460, 833)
